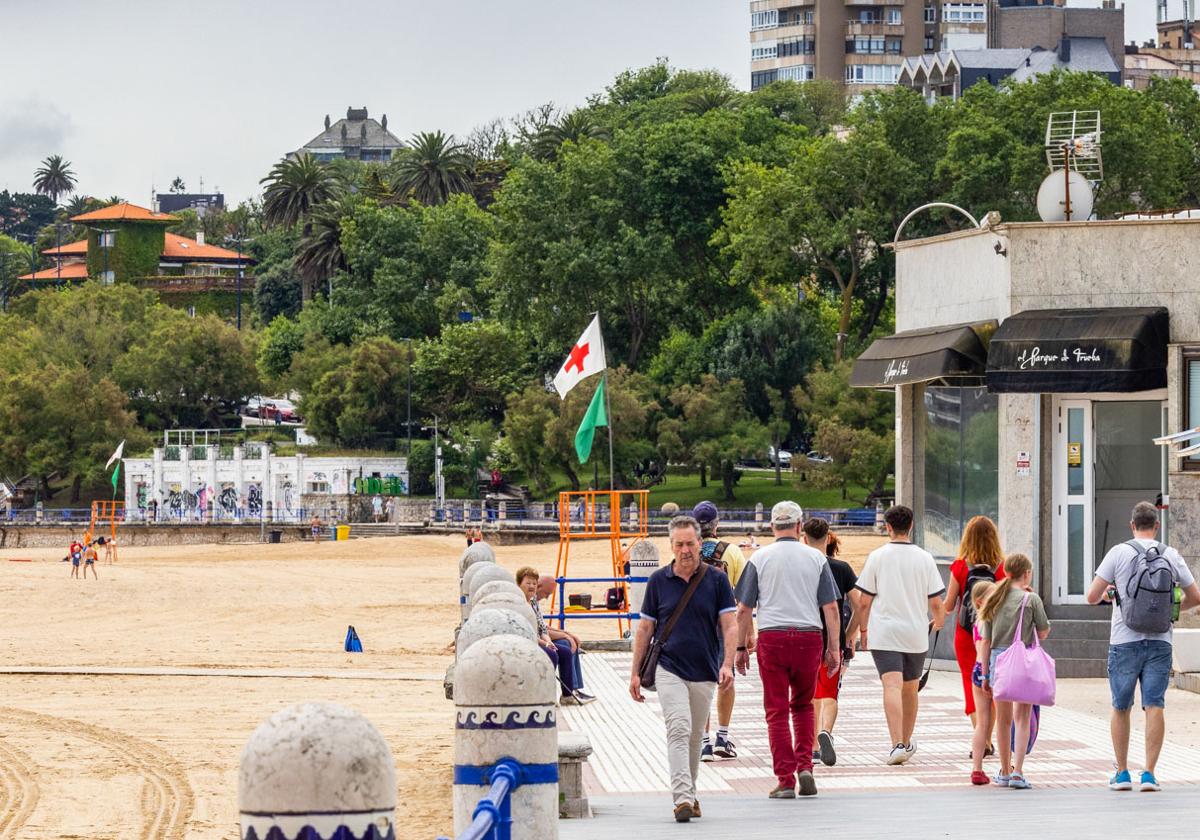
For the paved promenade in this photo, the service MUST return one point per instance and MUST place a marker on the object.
(627, 774)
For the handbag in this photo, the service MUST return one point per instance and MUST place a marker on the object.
(648, 671)
(1024, 674)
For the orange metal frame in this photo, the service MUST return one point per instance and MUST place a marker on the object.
(110, 512)
(592, 505)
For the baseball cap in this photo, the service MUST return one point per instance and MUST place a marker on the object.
(787, 513)
(705, 512)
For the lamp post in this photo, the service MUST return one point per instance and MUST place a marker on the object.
(408, 421)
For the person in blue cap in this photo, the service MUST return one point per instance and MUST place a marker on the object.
(729, 559)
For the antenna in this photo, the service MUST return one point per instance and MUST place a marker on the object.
(1076, 166)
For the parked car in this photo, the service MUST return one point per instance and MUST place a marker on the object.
(818, 457)
(785, 457)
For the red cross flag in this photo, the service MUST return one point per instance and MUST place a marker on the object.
(585, 358)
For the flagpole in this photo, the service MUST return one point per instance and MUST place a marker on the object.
(608, 416)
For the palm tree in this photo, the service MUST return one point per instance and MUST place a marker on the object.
(435, 167)
(54, 177)
(320, 255)
(294, 188)
(709, 99)
(574, 127)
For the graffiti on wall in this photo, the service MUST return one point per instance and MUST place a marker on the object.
(254, 499)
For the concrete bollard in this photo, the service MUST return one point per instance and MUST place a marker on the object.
(880, 525)
(758, 515)
(643, 561)
(492, 621)
(317, 770)
(487, 574)
(507, 601)
(493, 586)
(504, 695)
(633, 514)
(476, 554)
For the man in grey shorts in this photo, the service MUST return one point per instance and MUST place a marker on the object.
(901, 590)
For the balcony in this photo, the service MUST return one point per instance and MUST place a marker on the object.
(855, 27)
(767, 5)
(893, 3)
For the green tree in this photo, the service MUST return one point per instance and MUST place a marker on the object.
(361, 403)
(574, 127)
(280, 342)
(188, 225)
(295, 188)
(54, 177)
(468, 372)
(277, 292)
(434, 167)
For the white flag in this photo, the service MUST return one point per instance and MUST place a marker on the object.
(116, 456)
(585, 358)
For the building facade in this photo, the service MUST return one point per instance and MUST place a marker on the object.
(1034, 365)
(200, 202)
(357, 137)
(248, 483)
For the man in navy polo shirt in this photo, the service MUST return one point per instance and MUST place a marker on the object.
(689, 667)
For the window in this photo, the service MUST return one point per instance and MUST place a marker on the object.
(798, 46)
(869, 16)
(931, 14)
(797, 73)
(107, 239)
(318, 487)
(1192, 408)
(872, 74)
(893, 46)
(928, 45)
(865, 44)
(764, 20)
(894, 17)
(760, 51)
(762, 78)
(107, 278)
(964, 13)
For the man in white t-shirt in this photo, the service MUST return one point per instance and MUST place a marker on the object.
(901, 590)
(1135, 657)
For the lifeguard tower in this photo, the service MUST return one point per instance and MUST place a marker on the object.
(105, 517)
(614, 515)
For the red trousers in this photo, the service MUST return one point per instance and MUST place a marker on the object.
(964, 652)
(787, 664)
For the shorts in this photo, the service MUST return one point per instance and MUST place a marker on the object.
(910, 665)
(88, 561)
(74, 561)
(827, 687)
(1146, 661)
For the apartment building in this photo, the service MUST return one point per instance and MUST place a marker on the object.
(858, 42)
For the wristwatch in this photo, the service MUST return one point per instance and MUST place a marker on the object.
(741, 648)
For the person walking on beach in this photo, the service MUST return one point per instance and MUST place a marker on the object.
(689, 667)
(979, 561)
(825, 698)
(791, 586)
(1012, 603)
(316, 528)
(1135, 576)
(89, 561)
(901, 590)
(75, 553)
(730, 560)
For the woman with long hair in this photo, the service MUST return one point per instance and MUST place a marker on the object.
(980, 559)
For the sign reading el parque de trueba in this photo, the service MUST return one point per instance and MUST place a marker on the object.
(895, 368)
(1069, 357)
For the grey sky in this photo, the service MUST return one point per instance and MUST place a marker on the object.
(137, 92)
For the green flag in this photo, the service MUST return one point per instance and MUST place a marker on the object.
(116, 473)
(587, 429)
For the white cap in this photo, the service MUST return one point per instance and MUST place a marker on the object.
(787, 513)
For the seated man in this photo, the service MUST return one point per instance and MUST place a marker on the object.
(562, 647)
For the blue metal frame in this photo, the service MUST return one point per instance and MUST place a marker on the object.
(492, 817)
(562, 615)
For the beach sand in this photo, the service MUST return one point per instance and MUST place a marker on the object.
(155, 755)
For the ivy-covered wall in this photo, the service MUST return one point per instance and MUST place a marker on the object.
(135, 252)
(222, 304)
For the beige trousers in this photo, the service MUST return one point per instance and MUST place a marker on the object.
(685, 708)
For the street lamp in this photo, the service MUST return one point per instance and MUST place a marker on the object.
(408, 422)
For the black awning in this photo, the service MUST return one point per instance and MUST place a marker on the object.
(1046, 351)
(951, 355)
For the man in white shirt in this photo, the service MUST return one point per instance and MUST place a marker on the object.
(1136, 657)
(901, 590)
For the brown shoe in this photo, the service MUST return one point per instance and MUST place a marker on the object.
(696, 810)
(783, 792)
(684, 812)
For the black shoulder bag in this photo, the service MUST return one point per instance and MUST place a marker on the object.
(648, 671)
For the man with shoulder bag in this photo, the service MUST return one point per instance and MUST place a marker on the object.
(1140, 577)
(683, 649)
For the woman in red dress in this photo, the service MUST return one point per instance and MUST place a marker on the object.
(980, 547)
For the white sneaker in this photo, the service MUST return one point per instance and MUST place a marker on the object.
(910, 750)
(897, 755)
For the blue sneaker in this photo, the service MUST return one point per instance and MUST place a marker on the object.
(1149, 783)
(1002, 780)
(1017, 782)
(1121, 781)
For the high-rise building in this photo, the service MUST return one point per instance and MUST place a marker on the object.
(857, 42)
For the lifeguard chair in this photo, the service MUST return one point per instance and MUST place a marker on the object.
(105, 516)
(613, 515)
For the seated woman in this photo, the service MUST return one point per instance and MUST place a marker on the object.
(562, 647)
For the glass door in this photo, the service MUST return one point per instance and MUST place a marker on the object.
(1074, 479)
(1128, 466)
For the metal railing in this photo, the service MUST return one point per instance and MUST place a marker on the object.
(492, 817)
(563, 613)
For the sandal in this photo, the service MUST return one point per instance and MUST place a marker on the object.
(978, 777)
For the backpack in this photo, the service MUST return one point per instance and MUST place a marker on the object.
(711, 553)
(1147, 602)
(966, 609)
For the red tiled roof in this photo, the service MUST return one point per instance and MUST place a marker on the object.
(71, 249)
(182, 248)
(70, 271)
(124, 212)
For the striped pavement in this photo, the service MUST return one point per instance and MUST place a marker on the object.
(1073, 750)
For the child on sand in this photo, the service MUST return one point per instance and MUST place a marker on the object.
(980, 748)
(75, 552)
(89, 561)
(316, 528)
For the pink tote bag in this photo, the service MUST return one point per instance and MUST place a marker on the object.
(1024, 674)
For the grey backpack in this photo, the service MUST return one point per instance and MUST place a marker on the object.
(1146, 602)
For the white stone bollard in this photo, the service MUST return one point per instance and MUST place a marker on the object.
(476, 554)
(758, 515)
(492, 621)
(633, 514)
(504, 695)
(643, 562)
(317, 770)
(487, 574)
(499, 586)
(880, 524)
(507, 601)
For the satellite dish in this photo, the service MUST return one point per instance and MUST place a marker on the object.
(1065, 196)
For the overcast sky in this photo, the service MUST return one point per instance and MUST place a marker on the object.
(135, 93)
